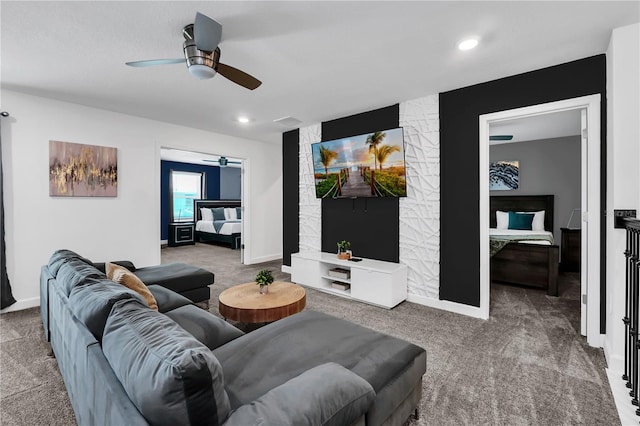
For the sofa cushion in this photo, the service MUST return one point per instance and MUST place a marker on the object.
(178, 277)
(167, 300)
(328, 395)
(170, 376)
(102, 266)
(91, 303)
(302, 341)
(210, 330)
(75, 272)
(60, 257)
(123, 276)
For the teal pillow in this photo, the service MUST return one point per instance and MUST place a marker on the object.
(239, 213)
(521, 221)
(218, 213)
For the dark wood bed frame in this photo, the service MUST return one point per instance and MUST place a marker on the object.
(526, 264)
(233, 240)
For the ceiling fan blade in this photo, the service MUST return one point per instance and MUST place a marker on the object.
(207, 33)
(500, 137)
(154, 62)
(239, 77)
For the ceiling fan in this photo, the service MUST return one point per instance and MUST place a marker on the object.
(223, 161)
(500, 137)
(202, 54)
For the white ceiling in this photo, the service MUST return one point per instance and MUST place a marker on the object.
(191, 157)
(539, 127)
(317, 60)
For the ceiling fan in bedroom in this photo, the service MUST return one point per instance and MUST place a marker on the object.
(500, 137)
(223, 161)
(202, 54)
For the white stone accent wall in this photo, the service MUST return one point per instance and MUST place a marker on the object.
(420, 210)
(310, 206)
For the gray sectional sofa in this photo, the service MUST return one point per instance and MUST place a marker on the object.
(123, 363)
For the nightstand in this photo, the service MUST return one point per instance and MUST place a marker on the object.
(181, 233)
(570, 252)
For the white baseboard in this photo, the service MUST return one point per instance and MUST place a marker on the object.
(445, 305)
(286, 269)
(626, 411)
(262, 259)
(164, 242)
(22, 304)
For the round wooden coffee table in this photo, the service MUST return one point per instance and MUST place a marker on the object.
(244, 302)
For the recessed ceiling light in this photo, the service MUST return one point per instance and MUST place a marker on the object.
(243, 120)
(468, 44)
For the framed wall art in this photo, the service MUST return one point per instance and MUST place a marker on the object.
(504, 175)
(78, 170)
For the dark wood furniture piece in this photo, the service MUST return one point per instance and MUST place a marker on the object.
(234, 240)
(181, 233)
(570, 252)
(245, 303)
(531, 265)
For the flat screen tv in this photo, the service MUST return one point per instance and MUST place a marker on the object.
(369, 165)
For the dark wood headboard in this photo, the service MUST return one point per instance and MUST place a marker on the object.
(210, 204)
(522, 203)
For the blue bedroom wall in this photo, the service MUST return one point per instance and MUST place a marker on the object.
(212, 187)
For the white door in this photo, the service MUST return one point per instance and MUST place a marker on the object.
(584, 225)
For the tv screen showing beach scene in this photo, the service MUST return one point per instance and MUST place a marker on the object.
(369, 165)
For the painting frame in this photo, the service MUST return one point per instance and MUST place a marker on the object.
(80, 170)
(504, 175)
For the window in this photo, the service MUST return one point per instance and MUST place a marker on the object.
(184, 188)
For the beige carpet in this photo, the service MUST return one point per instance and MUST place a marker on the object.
(526, 365)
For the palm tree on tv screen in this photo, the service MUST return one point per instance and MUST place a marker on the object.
(384, 152)
(373, 140)
(326, 157)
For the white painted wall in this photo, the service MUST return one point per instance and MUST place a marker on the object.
(124, 227)
(623, 157)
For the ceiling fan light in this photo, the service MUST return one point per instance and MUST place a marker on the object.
(201, 72)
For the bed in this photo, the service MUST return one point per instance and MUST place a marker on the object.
(224, 228)
(529, 261)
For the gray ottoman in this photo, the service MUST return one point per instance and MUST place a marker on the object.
(190, 281)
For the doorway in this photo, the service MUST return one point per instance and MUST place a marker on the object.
(222, 182)
(589, 107)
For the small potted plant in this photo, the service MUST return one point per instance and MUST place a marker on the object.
(263, 279)
(344, 249)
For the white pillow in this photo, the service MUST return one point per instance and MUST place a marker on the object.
(207, 214)
(538, 220)
(502, 220)
(230, 213)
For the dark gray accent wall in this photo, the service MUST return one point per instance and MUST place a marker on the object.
(372, 225)
(549, 166)
(459, 162)
(230, 183)
(290, 194)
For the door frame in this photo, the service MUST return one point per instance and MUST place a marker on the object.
(590, 219)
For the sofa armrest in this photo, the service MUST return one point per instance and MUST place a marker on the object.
(328, 395)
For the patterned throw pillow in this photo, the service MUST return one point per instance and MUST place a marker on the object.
(125, 277)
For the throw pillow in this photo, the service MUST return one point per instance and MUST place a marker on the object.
(230, 213)
(218, 213)
(538, 220)
(206, 214)
(125, 277)
(502, 220)
(520, 221)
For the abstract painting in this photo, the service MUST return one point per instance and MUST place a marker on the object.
(77, 170)
(504, 175)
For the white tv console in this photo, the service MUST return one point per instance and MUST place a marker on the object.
(375, 282)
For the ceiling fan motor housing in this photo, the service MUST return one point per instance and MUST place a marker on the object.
(201, 64)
